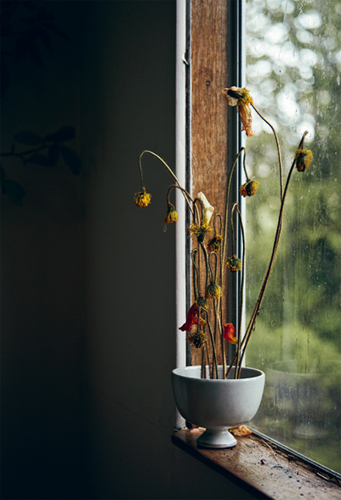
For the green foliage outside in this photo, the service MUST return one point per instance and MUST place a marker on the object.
(293, 74)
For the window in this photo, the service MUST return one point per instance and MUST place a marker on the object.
(292, 69)
(293, 63)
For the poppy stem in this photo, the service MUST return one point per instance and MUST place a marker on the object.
(196, 286)
(278, 150)
(177, 186)
(244, 166)
(227, 207)
(146, 151)
(237, 373)
(214, 354)
(255, 313)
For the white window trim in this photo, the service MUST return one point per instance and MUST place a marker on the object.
(180, 165)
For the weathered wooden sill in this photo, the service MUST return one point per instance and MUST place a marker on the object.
(263, 469)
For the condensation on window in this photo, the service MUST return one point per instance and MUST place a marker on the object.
(293, 72)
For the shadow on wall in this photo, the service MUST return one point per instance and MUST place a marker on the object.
(81, 340)
(42, 307)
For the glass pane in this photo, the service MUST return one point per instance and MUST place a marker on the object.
(293, 74)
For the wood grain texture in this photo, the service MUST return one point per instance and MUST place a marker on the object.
(209, 111)
(209, 74)
(263, 470)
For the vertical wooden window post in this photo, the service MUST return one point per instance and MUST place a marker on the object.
(209, 123)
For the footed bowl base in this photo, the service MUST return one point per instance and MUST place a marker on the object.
(216, 439)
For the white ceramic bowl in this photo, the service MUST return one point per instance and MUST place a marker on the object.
(217, 405)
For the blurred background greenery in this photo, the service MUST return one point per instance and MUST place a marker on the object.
(293, 74)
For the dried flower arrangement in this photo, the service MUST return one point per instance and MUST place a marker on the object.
(205, 325)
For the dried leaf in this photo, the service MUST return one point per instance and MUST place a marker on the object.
(241, 431)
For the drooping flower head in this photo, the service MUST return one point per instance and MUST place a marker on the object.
(215, 243)
(240, 97)
(229, 333)
(171, 215)
(207, 209)
(142, 199)
(234, 264)
(192, 319)
(249, 188)
(213, 291)
(198, 339)
(303, 158)
(200, 230)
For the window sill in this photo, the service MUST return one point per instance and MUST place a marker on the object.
(263, 469)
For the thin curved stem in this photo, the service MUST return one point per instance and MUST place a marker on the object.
(227, 203)
(223, 250)
(161, 160)
(223, 349)
(196, 289)
(203, 371)
(213, 276)
(233, 229)
(146, 151)
(237, 375)
(208, 267)
(256, 310)
(215, 301)
(255, 313)
(214, 224)
(216, 265)
(244, 166)
(177, 186)
(197, 210)
(214, 357)
(197, 218)
(278, 150)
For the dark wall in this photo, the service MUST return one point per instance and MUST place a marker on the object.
(128, 104)
(87, 278)
(42, 319)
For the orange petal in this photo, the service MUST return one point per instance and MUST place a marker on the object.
(241, 431)
(190, 320)
(229, 333)
(246, 118)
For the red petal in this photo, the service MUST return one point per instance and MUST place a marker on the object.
(191, 318)
(229, 333)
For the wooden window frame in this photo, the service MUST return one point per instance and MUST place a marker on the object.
(209, 58)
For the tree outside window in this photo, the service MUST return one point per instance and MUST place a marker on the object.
(293, 73)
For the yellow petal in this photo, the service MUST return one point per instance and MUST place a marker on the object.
(241, 431)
